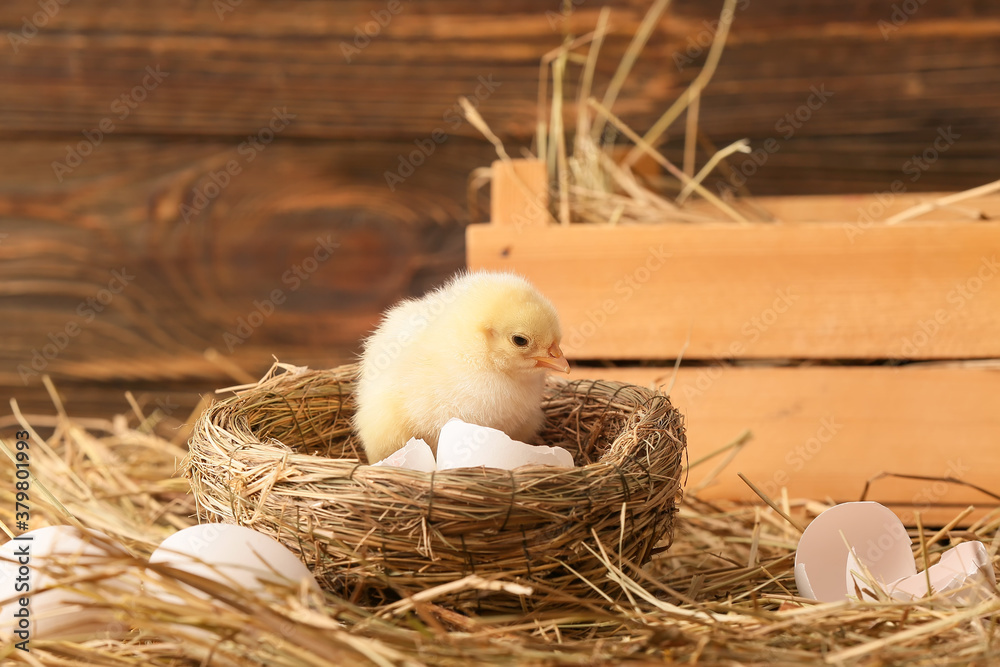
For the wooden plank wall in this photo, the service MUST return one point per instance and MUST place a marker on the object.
(137, 138)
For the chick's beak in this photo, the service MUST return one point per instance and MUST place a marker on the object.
(555, 360)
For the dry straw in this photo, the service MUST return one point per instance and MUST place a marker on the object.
(589, 181)
(723, 594)
(280, 457)
(593, 165)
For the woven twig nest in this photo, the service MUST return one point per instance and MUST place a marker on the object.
(281, 457)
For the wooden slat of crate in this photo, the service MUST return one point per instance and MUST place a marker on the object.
(819, 290)
(859, 211)
(823, 431)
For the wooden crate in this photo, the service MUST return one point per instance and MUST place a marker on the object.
(783, 327)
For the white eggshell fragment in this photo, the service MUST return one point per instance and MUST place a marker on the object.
(415, 455)
(964, 575)
(463, 445)
(34, 561)
(875, 533)
(851, 548)
(235, 556)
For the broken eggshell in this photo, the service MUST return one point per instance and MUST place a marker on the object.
(415, 455)
(875, 533)
(964, 575)
(852, 548)
(463, 445)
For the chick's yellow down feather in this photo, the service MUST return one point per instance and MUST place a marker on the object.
(477, 348)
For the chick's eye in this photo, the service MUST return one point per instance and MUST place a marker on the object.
(519, 340)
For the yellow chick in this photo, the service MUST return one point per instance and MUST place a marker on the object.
(476, 348)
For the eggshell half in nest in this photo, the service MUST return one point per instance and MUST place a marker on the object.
(464, 445)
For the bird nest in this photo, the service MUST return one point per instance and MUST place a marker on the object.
(281, 457)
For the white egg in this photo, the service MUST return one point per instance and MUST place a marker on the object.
(27, 564)
(232, 555)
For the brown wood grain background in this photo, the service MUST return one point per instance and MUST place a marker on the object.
(222, 149)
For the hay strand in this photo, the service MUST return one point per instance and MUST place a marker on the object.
(693, 91)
